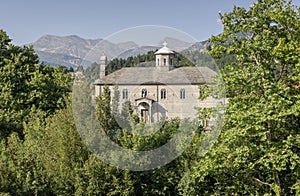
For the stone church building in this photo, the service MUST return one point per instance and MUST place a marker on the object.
(161, 90)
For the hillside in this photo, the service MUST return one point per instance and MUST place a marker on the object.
(73, 51)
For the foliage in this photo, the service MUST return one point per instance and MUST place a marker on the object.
(21, 170)
(106, 115)
(91, 73)
(24, 84)
(53, 160)
(258, 150)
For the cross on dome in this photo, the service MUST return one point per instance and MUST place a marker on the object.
(165, 44)
(164, 50)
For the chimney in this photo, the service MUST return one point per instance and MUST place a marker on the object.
(103, 62)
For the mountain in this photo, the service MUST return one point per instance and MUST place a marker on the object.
(72, 50)
(137, 51)
(176, 44)
(71, 45)
(198, 46)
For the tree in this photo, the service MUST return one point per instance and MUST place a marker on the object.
(63, 151)
(258, 150)
(22, 171)
(106, 113)
(24, 83)
(163, 180)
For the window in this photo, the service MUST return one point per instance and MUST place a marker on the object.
(125, 94)
(163, 94)
(182, 93)
(157, 61)
(165, 61)
(144, 93)
(201, 91)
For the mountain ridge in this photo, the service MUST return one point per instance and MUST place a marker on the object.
(73, 50)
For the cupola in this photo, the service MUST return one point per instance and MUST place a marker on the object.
(164, 57)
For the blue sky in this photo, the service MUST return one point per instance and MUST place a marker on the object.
(27, 20)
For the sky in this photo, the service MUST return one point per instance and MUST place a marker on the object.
(27, 20)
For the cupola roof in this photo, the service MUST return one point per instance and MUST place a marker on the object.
(164, 50)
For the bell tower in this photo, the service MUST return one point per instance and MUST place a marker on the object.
(164, 58)
(103, 63)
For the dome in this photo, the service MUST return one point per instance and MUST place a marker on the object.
(164, 50)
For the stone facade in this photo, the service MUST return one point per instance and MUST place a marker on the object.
(160, 91)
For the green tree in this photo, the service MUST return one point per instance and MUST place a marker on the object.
(63, 152)
(21, 170)
(106, 113)
(258, 150)
(98, 178)
(163, 180)
(25, 83)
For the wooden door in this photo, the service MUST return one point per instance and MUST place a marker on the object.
(145, 115)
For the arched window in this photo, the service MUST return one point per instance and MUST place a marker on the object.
(125, 94)
(144, 92)
(165, 61)
(157, 61)
(182, 93)
(163, 94)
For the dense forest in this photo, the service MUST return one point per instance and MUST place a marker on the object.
(257, 152)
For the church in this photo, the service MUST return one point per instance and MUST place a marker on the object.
(161, 90)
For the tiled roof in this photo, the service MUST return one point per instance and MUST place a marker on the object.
(155, 75)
